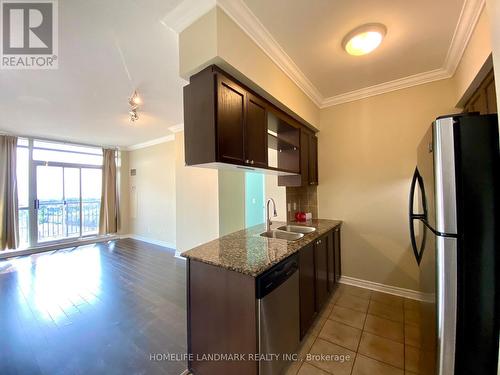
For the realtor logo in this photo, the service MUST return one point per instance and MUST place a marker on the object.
(28, 34)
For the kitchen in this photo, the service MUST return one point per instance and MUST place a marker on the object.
(287, 188)
(229, 96)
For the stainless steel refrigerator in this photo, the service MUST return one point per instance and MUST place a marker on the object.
(455, 237)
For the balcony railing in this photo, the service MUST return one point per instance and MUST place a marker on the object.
(58, 220)
(24, 226)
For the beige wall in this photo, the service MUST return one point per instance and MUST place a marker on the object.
(197, 211)
(152, 193)
(233, 46)
(231, 201)
(477, 51)
(367, 155)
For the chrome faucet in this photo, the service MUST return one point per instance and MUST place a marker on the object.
(268, 218)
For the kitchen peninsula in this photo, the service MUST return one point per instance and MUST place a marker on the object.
(236, 285)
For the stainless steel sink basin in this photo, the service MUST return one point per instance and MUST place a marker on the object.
(297, 229)
(282, 235)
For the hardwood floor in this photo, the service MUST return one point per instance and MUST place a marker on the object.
(95, 309)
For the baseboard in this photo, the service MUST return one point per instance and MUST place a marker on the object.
(57, 246)
(402, 292)
(149, 240)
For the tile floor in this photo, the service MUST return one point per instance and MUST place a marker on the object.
(365, 333)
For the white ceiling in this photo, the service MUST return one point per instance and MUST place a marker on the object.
(106, 49)
(419, 36)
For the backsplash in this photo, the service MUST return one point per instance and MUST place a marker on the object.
(301, 199)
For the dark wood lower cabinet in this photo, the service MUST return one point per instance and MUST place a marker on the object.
(331, 262)
(222, 307)
(306, 288)
(321, 265)
(336, 252)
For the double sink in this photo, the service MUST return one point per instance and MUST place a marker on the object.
(288, 232)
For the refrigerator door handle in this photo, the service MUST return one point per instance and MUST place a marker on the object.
(417, 178)
(418, 252)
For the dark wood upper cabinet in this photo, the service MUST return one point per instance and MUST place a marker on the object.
(226, 122)
(256, 132)
(321, 269)
(484, 99)
(231, 108)
(308, 162)
(313, 160)
(304, 157)
(306, 288)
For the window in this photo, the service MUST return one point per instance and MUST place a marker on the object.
(59, 191)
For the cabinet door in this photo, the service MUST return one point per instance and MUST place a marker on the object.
(231, 104)
(336, 250)
(306, 288)
(313, 160)
(304, 156)
(321, 267)
(331, 262)
(256, 132)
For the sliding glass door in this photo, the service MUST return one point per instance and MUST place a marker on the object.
(91, 200)
(67, 201)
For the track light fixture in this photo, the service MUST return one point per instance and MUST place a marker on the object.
(134, 101)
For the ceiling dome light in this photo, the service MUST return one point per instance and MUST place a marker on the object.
(364, 39)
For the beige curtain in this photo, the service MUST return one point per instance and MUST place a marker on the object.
(9, 224)
(108, 218)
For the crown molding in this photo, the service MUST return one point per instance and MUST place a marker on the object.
(239, 12)
(150, 143)
(176, 128)
(397, 84)
(250, 24)
(186, 13)
(467, 21)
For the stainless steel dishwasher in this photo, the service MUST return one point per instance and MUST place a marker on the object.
(278, 315)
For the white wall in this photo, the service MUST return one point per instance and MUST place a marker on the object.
(152, 193)
(197, 212)
(231, 201)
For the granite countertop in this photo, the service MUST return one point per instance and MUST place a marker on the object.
(249, 253)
